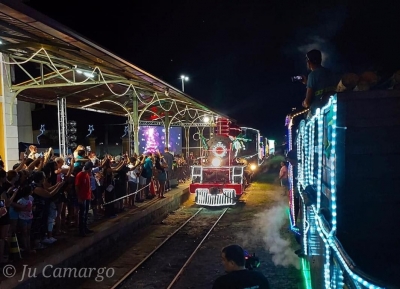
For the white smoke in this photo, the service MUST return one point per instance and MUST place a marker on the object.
(269, 224)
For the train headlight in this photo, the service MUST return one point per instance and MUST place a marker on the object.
(253, 167)
(216, 162)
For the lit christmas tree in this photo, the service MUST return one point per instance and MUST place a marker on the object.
(150, 135)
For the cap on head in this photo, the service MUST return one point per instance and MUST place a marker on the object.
(314, 56)
(88, 166)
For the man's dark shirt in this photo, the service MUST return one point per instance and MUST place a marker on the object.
(242, 279)
(169, 158)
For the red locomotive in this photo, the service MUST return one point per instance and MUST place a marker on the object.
(220, 179)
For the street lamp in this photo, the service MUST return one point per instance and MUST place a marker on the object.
(184, 78)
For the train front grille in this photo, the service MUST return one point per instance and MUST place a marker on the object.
(226, 198)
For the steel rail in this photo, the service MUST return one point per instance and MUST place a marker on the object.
(155, 250)
(195, 251)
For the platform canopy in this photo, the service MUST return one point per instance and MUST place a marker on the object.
(57, 62)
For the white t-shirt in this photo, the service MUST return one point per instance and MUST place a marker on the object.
(132, 175)
(26, 215)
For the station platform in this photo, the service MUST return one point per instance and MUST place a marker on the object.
(72, 251)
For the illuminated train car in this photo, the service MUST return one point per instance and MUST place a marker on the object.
(219, 180)
(347, 179)
(250, 146)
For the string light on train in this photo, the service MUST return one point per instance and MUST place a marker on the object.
(219, 150)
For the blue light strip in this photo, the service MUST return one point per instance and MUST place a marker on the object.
(333, 166)
(312, 151)
(319, 160)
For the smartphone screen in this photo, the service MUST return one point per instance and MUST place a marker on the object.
(2, 203)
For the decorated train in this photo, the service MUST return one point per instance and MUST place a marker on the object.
(344, 202)
(229, 159)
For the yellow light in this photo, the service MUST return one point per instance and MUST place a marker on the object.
(216, 162)
(253, 167)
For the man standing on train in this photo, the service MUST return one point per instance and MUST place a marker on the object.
(321, 80)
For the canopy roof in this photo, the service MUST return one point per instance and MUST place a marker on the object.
(59, 62)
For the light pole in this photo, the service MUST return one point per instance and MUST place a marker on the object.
(184, 78)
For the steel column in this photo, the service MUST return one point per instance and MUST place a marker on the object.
(135, 120)
(62, 126)
(167, 124)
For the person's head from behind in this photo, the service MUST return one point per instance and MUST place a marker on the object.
(23, 176)
(233, 258)
(38, 177)
(26, 192)
(88, 167)
(12, 177)
(166, 149)
(314, 59)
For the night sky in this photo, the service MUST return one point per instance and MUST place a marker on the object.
(239, 55)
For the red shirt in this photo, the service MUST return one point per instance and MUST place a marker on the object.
(82, 181)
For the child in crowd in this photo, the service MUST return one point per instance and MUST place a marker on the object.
(25, 218)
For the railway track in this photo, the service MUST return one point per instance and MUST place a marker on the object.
(163, 266)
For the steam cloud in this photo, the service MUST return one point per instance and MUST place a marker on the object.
(268, 225)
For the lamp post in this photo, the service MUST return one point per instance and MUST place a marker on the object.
(184, 78)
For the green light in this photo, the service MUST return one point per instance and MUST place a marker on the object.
(305, 268)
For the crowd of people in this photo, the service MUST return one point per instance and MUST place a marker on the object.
(44, 196)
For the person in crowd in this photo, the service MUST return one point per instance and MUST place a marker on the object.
(169, 159)
(72, 199)
(26, 217)
(85, 195)
(96, 187)
(8, 192)
(160, 165)
(120, 180)
(147, 172)
(283, 178)
(50, 169)
(320, 80)
(61, 198)
(15, 207)
(109, 186)
(44, 214)
(32, 152)
(141, 196)
(80, 158)
(133, 180)
(238, 277)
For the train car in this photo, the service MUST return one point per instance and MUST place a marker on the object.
(252, 148)
(344, 199)
(219, 179)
